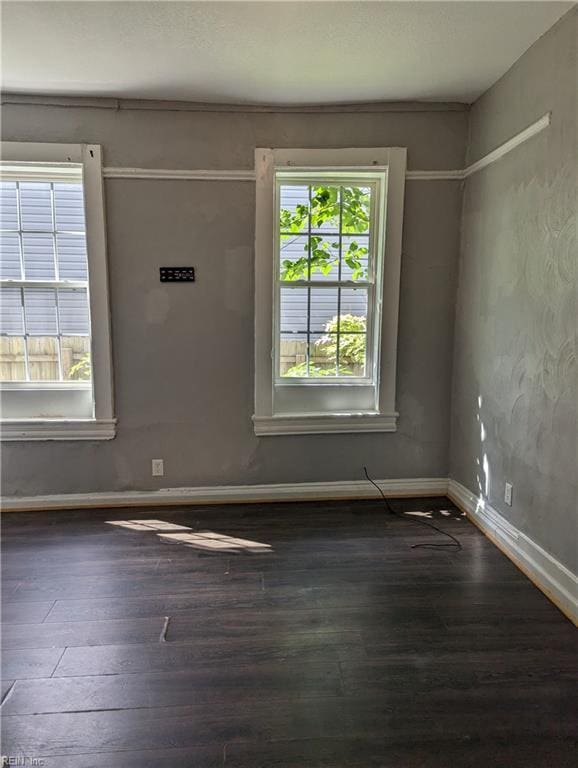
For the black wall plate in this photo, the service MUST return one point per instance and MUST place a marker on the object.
(177, 274)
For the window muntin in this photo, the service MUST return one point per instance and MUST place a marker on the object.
(44, 302)
(327, 269)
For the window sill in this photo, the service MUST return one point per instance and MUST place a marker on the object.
(57, 429)
(64, 386)
(316, 424)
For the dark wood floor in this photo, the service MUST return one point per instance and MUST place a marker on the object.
(339, 646)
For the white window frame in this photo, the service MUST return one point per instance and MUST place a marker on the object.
(102, 425)
(313, 406)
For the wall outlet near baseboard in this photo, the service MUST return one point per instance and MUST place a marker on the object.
(508, 494)
(158, 467)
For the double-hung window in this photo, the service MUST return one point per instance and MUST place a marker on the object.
(55, 374)
(328, 247)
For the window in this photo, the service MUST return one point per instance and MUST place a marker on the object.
(328, 244)
(326, 277)
(54, 336)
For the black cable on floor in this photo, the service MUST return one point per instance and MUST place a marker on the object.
(453, 543)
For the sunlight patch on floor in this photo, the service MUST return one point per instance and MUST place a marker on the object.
(420, 514)
(149, 525)
(216, 541)
(205, 540)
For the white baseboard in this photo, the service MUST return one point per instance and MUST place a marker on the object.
(549, 575)
(230, 494)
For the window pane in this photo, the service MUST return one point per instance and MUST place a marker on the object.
(294, 208)
(38, 253)
(40, 311)
(323, 309)
(355, 215)
(10, 257)
(352, 354)
(323, 355)
(325, 202)
(324, 257)
(43, 358)
(293, 310)
(353, 330)
(75, 357)
(72, 261)
(355, 257)
(293, 355)
(69, 207)
(11, 313)
(354, 303)
(8, 205)
(12, 360)
(36, 205)
(293, 257)
(73, 311)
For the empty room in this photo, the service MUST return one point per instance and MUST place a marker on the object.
(289, 384)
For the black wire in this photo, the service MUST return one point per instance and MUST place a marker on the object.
(453, 543)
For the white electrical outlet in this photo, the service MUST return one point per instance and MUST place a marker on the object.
(508, 494)
(158, 466)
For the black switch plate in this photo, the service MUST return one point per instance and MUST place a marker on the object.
(177, 274)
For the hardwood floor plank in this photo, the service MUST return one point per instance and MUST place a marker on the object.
(25, 613)
(5, 687)
(211, 686)
(359, 619)
(484, 712)
(104, 609)
(384, 753)
(282, 648)
(190, 757)
(88, 587)
(30, 662)
(74, 633)
(545, 638)
(419, 672)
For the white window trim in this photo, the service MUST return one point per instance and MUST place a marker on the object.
(103, 425)
(384, 418)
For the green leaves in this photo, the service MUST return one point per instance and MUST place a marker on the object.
(293, 222)
(82, 370)
(300, 371)
(356, 210)
(346, 209)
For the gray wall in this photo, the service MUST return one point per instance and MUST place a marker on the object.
(516, 318)
(194, 409)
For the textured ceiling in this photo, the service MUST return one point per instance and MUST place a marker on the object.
(267, 52)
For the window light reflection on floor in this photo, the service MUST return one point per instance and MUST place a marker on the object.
(149, 525)
(216, 541)
(430, 514)
(206, 540)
